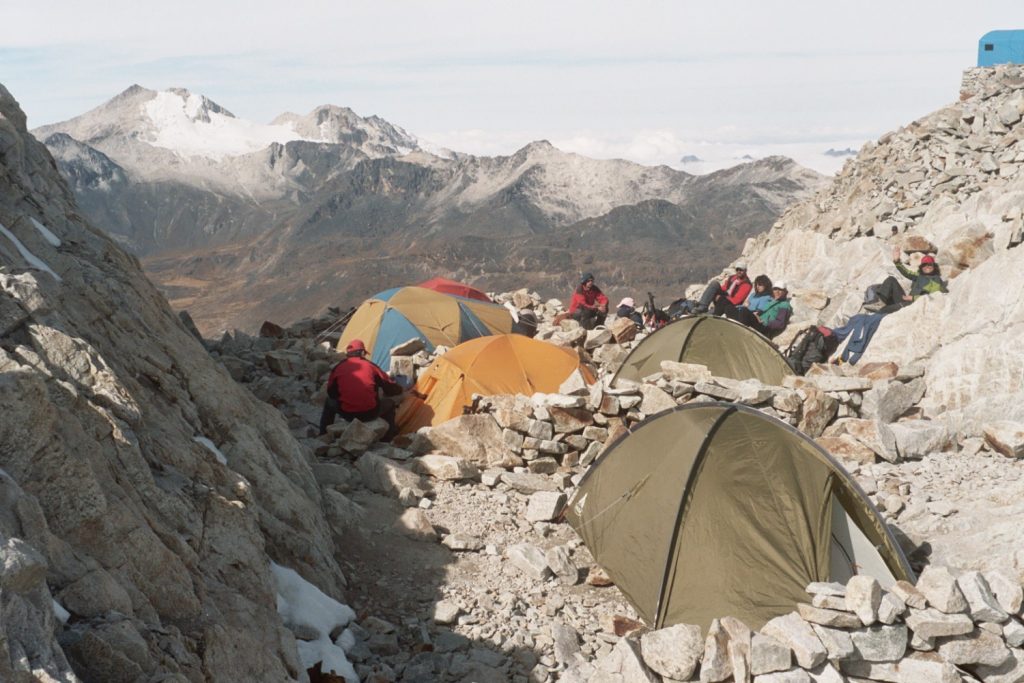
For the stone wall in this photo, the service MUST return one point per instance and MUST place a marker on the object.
(944, 630)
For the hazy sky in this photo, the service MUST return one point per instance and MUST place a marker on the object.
(640, 80)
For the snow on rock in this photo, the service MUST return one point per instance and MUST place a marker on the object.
(305, 608)
(212, 448)
(331, 658)
(186, 124)
(31, 258)
(45, 232)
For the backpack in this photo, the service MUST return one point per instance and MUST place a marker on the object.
(811, 345)
(526, 325)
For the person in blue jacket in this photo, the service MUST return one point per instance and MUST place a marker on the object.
(761, 295)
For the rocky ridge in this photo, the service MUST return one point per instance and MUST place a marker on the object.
(948, 184)
(143, 494)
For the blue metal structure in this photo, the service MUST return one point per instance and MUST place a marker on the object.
(1001, 47)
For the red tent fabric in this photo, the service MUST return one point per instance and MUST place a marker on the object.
(446, 286)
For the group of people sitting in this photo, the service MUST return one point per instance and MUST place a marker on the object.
(352, 388)
(760, 304)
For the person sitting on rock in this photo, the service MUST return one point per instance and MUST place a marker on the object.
(761, 295)
(889, 295)
(589, 305)
(773, 319)
(352, 391)
(727, 295)
(627, 309)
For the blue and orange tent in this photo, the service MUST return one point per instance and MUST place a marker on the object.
(394, 316)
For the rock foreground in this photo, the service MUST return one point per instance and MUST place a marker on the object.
(157, 546)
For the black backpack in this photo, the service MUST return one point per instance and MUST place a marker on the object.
(678, 308)
(526, 325)
(811, 345)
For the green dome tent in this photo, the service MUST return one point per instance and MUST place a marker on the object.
(717, 509)
(726, 347)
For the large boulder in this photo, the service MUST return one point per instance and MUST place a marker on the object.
(1005, 437)
(476, 438)
(384, 475)
(917, 438)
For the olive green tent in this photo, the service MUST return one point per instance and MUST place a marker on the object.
(726, 347)
(717, 509)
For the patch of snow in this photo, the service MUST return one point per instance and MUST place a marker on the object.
(31, 258)
(193, 105)
(300, 603)
(435, 149)
(331, 658)
(58, 611)
(45, 232)
(177, 128)
(212, 448)
(346, 641)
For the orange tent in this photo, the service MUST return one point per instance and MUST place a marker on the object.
(498, 364)
(446, 286)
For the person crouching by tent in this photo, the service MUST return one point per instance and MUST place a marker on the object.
(773, 319)
(889, 295)
(727, 295)
(627, 309)
(352, 391)
(589, 305)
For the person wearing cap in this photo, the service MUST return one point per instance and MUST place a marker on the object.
(352, 391)
(627, 309)
(890, 295)
(589, 305)
(728, 294)
(773, 318)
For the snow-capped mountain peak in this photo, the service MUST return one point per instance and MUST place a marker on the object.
(192, 125)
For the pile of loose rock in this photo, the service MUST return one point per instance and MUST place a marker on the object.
(944, 629)
(945, 156)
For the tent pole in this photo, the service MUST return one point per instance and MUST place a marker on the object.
(686, 342)
(698, 463)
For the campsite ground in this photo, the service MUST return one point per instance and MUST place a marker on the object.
(478, 615)
(399, 578)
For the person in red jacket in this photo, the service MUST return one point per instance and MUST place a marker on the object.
(352, 391)
(728, 295)
(589, 305)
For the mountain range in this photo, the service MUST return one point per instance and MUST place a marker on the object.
(239, 221)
